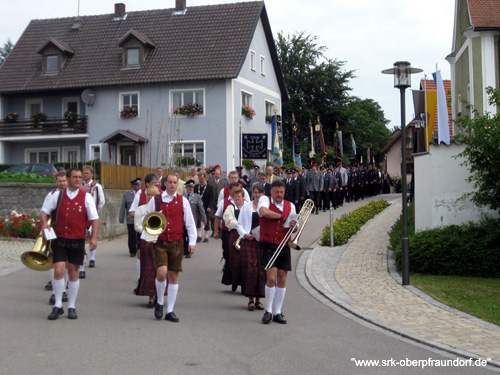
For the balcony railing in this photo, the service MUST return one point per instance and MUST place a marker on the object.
(51, 126)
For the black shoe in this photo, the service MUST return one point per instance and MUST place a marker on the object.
(152, 303)
(64, 297)
(266, 319)
(48, 286)
(72, 313)
(52, 299)
(158, 311)
(279, 318)
(81, 275)
(234, 287)
(91, 264)
(133, 255)
(171, 317)
(188, 255)
(56, 311)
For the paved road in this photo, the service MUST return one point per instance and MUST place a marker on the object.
(116, 334)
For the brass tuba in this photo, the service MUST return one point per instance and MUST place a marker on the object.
(40, 258)
(154, 223)
(304, 214)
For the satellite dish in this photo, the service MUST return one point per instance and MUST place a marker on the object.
(88, 96)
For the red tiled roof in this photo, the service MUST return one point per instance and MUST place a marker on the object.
(484, 13)
(207, 42)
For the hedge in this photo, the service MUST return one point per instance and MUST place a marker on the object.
(349, 224)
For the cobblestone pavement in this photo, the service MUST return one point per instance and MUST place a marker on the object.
(10, 254)
(355, 277)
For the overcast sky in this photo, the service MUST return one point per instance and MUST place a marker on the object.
(369, 35)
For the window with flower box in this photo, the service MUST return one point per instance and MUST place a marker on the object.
(181, 100)
(129, 100)
(190, 149)
(269, 111)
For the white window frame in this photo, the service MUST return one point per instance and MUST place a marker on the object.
(248, 95)
(194, 142)
(253, 62)
(68, 99)
(171, 99)
(27, 152)
(28, 104)
(91, 153)
(262, 65)
(71, 148)
(47, 57)
(121, 106)
(272, 105)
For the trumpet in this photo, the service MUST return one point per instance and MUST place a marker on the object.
(154, 223)
(40, 257)
(237, 243)
(304, 214)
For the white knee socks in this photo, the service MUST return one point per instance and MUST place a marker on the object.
(160, 291)
(269, 292)
(171, 296)
(73, 287)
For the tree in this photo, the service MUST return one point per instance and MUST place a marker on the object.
(319, 87)
(4, 51)
(481, 136)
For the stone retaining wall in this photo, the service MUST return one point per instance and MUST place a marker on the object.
(27, 198)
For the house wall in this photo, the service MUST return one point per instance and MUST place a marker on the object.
(394, 159)
(52, 105)
(439, 183)
(262, 87)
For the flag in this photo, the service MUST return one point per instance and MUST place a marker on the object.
(297, 160)
(254, 145)
(353, 145)
(277, 156)
(340, 145)
(442, 110)
(368, 155)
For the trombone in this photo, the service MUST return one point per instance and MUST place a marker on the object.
(237, 243)
(304, 214)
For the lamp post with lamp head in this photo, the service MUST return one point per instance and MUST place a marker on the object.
(402, 72)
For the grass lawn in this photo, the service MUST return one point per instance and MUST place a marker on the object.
(474, 295)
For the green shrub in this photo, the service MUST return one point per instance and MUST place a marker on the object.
(349, 224)
(25, 177)
(471, 249)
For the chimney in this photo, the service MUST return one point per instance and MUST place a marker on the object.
(119, 10)
(180, 5)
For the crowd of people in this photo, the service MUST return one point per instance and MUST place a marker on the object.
(251, 215)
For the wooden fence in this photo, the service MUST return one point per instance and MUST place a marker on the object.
(119, 176)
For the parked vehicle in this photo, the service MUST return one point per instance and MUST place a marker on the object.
(37, 168)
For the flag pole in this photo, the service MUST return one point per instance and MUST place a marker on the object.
(426, 115)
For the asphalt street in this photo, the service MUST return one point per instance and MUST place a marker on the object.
(116, 334)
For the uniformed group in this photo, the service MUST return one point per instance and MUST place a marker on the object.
(236, 208)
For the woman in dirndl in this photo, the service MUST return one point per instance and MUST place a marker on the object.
(147, 277)
(253, 276)
(230, 218)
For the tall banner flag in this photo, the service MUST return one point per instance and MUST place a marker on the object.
(442, 110)
(310, 149)
(297, 160)
(319, 141)
(254, 145)
(353, 146)
(277, 156)
(368, 155)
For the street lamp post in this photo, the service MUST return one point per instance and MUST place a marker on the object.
(402, 72)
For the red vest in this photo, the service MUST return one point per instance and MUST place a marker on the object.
(72, 217)
(174, 213)
(227, 203)
(142, 197)
(226, 192)
(272, 230)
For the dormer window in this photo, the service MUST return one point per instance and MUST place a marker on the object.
(135, 49)
(52, 63)
(54, 54)
(133, 55)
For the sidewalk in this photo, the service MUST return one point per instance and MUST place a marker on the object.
(10, 253)
(355, 278)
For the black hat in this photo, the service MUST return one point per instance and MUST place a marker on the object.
(136, 181)
(239, 168)
(255, 166)
(289, 171)
(190, 183)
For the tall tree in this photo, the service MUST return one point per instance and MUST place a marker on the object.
(319, 87)
(481, 136)
(4, 51)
